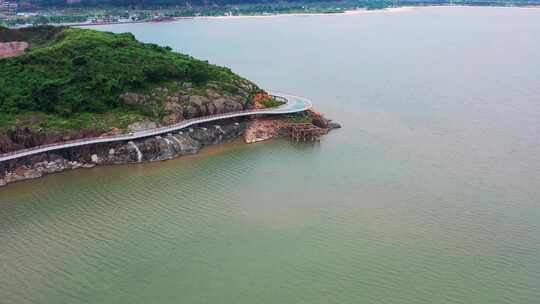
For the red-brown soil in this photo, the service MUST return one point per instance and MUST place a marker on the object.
(14, 48)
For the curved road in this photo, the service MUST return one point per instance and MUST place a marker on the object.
(293, 104)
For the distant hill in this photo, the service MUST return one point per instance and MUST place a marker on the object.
(217, 3)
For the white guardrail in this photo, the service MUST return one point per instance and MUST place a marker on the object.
(293, 104)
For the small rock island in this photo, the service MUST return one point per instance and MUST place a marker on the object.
(63, 85)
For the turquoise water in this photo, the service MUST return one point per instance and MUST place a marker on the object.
(429, 194)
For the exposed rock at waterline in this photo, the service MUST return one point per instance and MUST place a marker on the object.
(320, 121)
(157, 148)
(261, 129)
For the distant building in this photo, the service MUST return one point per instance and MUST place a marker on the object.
(2, 16)
(8, 8)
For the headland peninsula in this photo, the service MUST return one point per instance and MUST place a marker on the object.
(76, 98)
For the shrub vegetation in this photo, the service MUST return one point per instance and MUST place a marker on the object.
(68, 73)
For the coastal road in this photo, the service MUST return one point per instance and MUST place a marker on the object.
(293, 104)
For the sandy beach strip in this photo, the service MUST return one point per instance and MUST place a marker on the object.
(347, 12)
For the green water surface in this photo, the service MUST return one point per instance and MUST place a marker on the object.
(429, 194)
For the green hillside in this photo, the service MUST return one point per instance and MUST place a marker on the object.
(73, 78)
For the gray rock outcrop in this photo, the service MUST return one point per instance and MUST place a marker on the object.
(141, 126)
(157, 148)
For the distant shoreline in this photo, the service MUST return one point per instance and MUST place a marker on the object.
(402, 9)
(347, 12)
(173, 19)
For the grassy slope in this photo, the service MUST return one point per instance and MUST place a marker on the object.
(72, 78)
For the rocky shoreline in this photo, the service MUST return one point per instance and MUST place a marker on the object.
(158, 148)
(79, 92)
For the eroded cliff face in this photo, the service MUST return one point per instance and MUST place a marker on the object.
(188, 141)
(157, 148)
(261, 129)
(13, 48)
(183, 100)
(21, 137)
